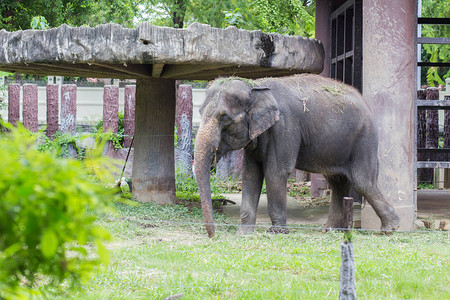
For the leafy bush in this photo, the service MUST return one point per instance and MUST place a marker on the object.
(47, 230)
(116, 138)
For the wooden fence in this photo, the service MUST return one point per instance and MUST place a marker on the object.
(431, 145)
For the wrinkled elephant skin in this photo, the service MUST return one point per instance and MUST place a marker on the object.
(306, 122)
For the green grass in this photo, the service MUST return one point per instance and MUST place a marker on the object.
(162, 251)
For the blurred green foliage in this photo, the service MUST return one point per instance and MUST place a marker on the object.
(47, 229)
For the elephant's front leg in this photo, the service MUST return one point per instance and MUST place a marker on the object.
(252, 179)
(277, 201)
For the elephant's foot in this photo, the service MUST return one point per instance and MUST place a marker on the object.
(278, 230)
(246, 229)
(390, 225)
(333, 225)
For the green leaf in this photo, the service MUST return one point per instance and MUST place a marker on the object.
(49, 243)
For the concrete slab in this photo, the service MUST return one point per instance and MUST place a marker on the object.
(296, 214)
(196, 52)
(433, 204)
(430, 203)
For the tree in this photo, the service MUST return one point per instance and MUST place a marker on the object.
(432, 52)
(17, 14)
(282, 16)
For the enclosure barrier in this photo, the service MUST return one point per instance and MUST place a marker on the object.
(61, 112)
(67, 117)
(430, 152)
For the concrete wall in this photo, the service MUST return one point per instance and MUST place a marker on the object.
(90, 104)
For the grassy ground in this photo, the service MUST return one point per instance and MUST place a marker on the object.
(162, 251)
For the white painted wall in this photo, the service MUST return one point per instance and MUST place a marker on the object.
(90, 104)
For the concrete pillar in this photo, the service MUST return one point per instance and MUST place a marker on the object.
(183, 117)
(230, 165)
(30, 107)
(128, 115)
(69, 108)
(14, 103)
(153, 161)
(110, 108)
(389, 88)
(322, 32)
(52, 109)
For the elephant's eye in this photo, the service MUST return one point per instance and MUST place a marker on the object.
(225, 119)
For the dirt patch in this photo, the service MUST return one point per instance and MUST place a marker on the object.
(299, 190)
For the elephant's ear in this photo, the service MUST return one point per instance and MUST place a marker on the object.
(263, 111)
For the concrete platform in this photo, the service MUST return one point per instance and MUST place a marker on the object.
(431, 204)
(296, 214)
(196, 52)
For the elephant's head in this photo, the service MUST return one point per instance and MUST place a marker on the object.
(234, 113)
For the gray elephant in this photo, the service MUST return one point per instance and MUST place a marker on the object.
(307, 122)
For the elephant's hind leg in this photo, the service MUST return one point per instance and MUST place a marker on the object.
(385, 211)
(340, 188)
(365, 182)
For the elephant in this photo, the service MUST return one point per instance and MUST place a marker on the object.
(304, 121)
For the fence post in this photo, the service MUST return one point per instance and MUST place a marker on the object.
(230, 165)
(347, 288)
(348, 213)
(110, 108)
(447, 127)
(183, 119)
(129, 108)
(69, 116)
(110, 113)
(423, 175)
(14, 103)
(69, 108)
(30, 107)
(52, 109)
(432, 140)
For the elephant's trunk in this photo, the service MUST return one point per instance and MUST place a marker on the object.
(207, 141)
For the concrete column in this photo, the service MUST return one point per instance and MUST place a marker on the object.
(153, 161)
(128, 115)
(110, 108)
(183, 117)
(30, 107)
(69, 108)
(230, 165)
(389, 87)
(14, 103)
(322, 32)
(52, 109)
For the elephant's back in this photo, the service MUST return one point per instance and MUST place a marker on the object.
(319, 94)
